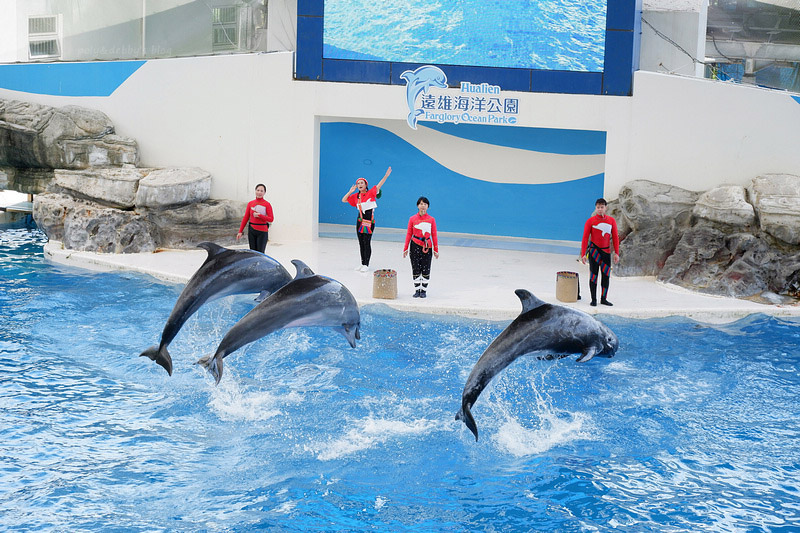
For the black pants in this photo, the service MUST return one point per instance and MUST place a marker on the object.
(258, 239)
(365, 243)
(420, 265)
(599, 263)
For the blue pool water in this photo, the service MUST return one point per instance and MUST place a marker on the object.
(690, 427)
(546, 34)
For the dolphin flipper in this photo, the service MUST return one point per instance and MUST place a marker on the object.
(588, 353)
(262, 296)
(160, 355)
(465, 415)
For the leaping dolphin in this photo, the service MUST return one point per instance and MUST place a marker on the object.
(418, 82)
(308, 300)
(540, 326)
(224, 272)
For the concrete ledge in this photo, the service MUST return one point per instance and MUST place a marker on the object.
(470, 282)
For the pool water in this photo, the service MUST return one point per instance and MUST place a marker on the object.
(690, 427)
(543, 34)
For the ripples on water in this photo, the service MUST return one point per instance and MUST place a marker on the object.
(551, 34)
(690, 427)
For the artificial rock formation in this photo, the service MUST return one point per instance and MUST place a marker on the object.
(40, 136)
(729, 241)
(98, 211)
(90, 193)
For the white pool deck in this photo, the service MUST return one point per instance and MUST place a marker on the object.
(465, 281)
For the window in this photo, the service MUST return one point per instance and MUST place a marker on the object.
(43, 37)
(225, 28)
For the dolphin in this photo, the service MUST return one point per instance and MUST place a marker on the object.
(223, 273)
(418, 82)
(540, 326)
(308, 300)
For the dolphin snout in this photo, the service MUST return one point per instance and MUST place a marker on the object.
(612, 344)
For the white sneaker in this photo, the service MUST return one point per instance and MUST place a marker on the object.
(358, 268)
(364, 268)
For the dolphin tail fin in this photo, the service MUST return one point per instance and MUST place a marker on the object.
(465, 415)
(213, 364)
(160, 355)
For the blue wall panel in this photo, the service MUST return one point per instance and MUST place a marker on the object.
(460, 203)
(308, 63)
(310, 8)
(618, 73)
(357, 71)
(554, 81)
(67, 79)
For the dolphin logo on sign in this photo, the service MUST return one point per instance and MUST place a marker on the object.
(418, 82)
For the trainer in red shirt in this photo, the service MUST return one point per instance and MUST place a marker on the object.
(259, 215)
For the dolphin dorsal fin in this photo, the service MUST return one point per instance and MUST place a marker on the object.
(529, 301)
(303, 270)
(211, 248)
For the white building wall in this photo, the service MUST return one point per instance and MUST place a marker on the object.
(244, 119)
(8, 31)
(697, 133)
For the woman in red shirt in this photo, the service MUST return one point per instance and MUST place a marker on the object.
(259, 215)
(421, 235)
(365, 201)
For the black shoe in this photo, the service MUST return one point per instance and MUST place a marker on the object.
(606, 302)
(416, 294)
(423, 294)
(593, 303)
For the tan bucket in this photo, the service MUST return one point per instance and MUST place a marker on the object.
(567, 286)
(384, 284)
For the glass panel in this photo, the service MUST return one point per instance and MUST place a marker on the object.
(92, 30)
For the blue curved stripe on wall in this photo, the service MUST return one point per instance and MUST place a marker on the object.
(554, 141)
(796, 99)
(459, 203)
(67, 79)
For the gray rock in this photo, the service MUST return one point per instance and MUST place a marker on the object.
(112, 187)
(39, 136)
(646, 203)
(726, 205)
(87, 226)
(49, 212)
(776, 198)
(615, 210)
(94, 228)
(173, 186)
(7, 178)
(644, 252)
(184, 227)
(33, 180)
(700, 257)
